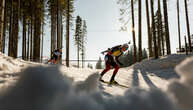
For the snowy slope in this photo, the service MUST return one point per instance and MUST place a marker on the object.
(9, 68)
(149, 73)
(45, 87)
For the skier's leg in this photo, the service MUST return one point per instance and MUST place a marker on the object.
(55, 59)
(50, 60)
(114, 74)
(108, 67)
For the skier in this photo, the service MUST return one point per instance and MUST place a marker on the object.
(55, 56)
(111, 60)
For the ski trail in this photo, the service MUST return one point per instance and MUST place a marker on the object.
(133, 77)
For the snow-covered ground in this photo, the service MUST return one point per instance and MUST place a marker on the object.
(153, 85)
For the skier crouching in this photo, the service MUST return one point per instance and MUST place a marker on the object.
(111, 60)
(55, 56)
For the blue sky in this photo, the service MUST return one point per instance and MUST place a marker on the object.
(102, 17)
(103, 25)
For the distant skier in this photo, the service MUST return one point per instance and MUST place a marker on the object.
(55, 56)
(111, 60)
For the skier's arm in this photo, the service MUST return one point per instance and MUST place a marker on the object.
(117, 60)
(58, 53)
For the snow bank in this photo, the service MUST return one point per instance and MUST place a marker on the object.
(48, 88)
(12, 65)
(45, 88)
(8, 64)
(163, 63)
(183, 89)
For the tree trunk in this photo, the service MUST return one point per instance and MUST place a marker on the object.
(42, 46)
(159, 28)
(133, 31)
(166, 27)
(37, 33)
(24, 38)
(67, 32)
(10, 53)
(148, 30)
(2, 24)
(140, 32)
(153, 30)
(162, 39)
(53, 28)
(61, 40)
(13, 43)
(187, 25)
(5, 26)
(16, 28)
(161, 31)
(31, 39)
(59, 25)
(186, 47)
(178, 17)
(78, 54)
(82, 57)
(28, 40)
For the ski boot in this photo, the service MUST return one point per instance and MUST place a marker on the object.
(100, 79)
(113, 82)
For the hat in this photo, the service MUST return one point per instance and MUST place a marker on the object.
(125, 47)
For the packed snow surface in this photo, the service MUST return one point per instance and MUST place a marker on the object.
(162, 84)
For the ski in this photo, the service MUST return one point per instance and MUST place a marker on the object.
(121, 85)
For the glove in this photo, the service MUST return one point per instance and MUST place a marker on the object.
(120, 63)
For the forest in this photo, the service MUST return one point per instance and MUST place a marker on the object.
(29, 17)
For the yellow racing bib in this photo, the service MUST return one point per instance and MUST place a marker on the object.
(116, 53)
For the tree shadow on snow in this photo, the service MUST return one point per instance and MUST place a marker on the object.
(147, 79)
(165, 73)
(135, 82)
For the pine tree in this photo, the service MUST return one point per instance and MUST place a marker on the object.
(99, 64)
(90, 66)
(159, 32)
(78, 35)
(83, 40)
(144, 54)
